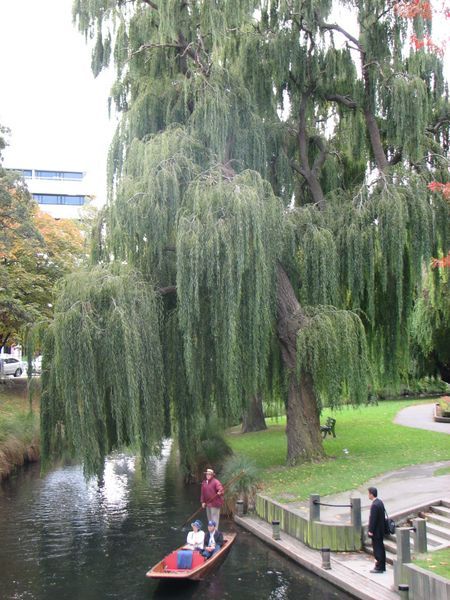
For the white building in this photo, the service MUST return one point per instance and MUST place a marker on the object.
(61, 194)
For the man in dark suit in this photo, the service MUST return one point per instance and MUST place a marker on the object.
(213, 540)
(376, 530)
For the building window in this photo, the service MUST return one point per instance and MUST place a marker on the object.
(23, 172)
(59, 199)
(66, 175)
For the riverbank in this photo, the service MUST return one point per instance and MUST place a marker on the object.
(368, 443)
(19, 427)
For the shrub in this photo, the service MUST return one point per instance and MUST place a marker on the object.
(245, 477)
(212, 450)
(444, 403)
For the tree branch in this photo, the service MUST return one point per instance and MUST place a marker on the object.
(336, 27)
(185, 50)
(170, 289)
(303, 141)
(150, 3)
(298, 169)
(345, 100)
(439, 123)
(320, 158)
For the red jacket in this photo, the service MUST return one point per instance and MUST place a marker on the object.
(209, 493)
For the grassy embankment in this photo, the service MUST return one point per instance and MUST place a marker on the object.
(368, 443)
(438, 562)
(19, 428)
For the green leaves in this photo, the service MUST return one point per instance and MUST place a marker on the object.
(332, 348)
(228, 241)
(104, 387)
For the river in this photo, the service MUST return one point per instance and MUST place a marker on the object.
(62, 538)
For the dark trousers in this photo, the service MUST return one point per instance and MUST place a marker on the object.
(208, 554)
(379, 553)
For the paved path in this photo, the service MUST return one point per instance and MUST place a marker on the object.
(400, 490)
(421, 417)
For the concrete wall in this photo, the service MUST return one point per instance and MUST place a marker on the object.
(315, 534)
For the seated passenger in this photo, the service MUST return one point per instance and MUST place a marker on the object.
(213, 540)
(195, 538)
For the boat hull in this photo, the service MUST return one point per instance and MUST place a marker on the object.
(160, 570)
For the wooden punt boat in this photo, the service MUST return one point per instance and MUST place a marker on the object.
(201, 567)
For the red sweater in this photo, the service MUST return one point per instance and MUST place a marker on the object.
(209, 493)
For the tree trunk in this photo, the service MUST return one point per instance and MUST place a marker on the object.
(311, 175)
(371, 122)
(304, 441)
(375, 141)
(3, 340)
(253, 419)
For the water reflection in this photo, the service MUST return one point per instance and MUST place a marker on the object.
(64, 539)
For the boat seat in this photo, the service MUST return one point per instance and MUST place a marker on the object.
(171, 561)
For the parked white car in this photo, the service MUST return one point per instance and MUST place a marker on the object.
(10, 365)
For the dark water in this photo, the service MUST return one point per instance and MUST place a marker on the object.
(64, 539)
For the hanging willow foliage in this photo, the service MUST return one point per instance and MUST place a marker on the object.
(188, 412)
(104, 387)
(431, 315)
(141, 219)
(332, 346)
(228, 239)
(368, 255)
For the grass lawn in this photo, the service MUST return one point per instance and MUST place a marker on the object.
(367, 444)
(438, 562)
(15, 417)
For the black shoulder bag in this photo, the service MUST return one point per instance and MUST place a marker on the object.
(389, 524)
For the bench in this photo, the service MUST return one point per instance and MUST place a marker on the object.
(328, 428)
(372, 400)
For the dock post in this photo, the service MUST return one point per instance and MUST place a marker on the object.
(326, 562)
(356, 520)
(314, 507)
(420, 536)
(276, 530)
(240, 508)
(403, 555)
(355, 512)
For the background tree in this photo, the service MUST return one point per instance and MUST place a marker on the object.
(268, 184)
(35, 251)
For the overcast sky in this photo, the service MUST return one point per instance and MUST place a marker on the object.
(56, 110)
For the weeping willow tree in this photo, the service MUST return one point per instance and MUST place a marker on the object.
(268, 219)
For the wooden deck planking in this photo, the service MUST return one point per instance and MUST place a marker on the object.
(340, 575)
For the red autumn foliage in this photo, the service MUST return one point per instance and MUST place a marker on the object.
(427, 42)
(441, 262)
(414, 8)
(411, 9)
(443, 188)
